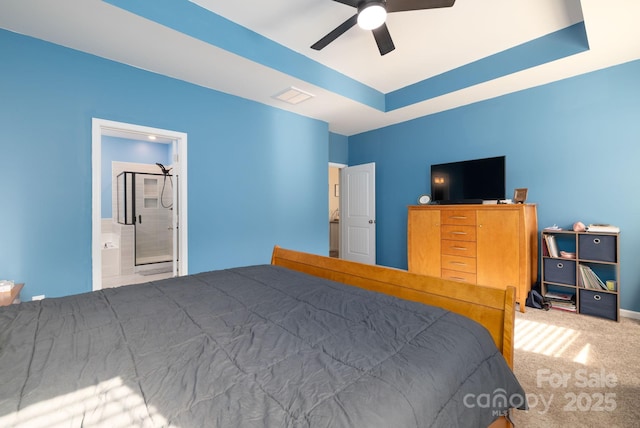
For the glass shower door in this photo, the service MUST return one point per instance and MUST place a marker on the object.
(153, 207)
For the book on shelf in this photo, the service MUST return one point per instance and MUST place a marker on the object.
(561, 301)
(606, 228)
(564, 304)
(589, 279)
(556, 295)
(552, 246)
(595, 279)
(564, 308)
(582, 278)
(585, 280)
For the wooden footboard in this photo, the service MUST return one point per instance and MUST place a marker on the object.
(491, 307)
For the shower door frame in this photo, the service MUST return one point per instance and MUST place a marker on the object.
(102, 127)
(132, 214)
(139, 224)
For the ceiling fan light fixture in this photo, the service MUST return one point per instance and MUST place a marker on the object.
(371, 15)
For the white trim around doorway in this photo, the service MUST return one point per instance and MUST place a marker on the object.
(99, 128)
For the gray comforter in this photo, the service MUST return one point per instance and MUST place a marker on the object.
(258, 346)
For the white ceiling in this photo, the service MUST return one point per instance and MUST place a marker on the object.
(428, 42)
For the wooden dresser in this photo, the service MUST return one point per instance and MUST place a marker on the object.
(491, 245)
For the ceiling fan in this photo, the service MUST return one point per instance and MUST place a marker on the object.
(372, 15)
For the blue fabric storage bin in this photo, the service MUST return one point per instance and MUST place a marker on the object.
(562, 271)
(603, 305)
(597, 247)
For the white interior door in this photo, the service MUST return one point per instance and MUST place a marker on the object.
(358, 213)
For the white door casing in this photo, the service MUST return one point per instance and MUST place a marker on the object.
(358, 213)
(177, 173)
(179, 140)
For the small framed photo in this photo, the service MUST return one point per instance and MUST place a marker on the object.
(519, 196)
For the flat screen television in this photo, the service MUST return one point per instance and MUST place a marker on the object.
(468, 182)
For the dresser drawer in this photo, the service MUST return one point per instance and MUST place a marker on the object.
(455, 275)
(467, 217)
(462, 264)
(458, 233)
(599, 304)
(458, 248)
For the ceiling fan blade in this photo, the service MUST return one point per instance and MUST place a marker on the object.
(404, 5)
(383, 39)
(339, 30)
(353, 3)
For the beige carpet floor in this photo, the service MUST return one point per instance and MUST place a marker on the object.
(577, 370)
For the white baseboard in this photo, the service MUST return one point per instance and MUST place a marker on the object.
(630, 314)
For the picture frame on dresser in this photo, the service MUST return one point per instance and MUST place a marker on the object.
(520, 195)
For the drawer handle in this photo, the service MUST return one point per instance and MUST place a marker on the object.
(459, 217)
(596, 297)
(458, 233)
(459, 248)
(596, 241)
(559, 265)
(457, 277)
(458, 263)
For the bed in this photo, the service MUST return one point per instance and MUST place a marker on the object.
(307, 341)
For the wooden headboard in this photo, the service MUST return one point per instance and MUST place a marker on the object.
(491, 307)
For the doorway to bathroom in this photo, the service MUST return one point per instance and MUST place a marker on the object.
(139, 198)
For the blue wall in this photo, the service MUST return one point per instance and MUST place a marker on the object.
(124, 150)
(250, 187)
(338, 148)
(575, 144)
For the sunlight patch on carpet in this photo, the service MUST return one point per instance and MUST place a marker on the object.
(583, 355)
(542, 338)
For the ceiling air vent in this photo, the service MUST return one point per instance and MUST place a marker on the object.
(293, 95)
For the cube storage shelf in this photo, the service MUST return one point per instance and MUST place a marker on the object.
(562, 277)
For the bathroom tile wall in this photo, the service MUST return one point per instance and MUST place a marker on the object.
(127, 261)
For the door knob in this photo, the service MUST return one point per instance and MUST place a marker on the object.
(371, 221)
